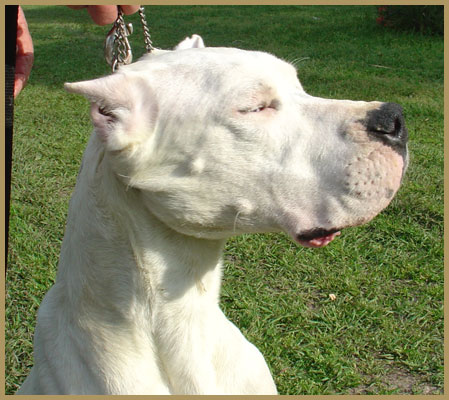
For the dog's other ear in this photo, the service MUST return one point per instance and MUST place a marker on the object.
(195, 41)
(123, 108)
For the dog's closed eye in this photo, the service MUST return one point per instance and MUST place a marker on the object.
(259, 108)
(266, 106)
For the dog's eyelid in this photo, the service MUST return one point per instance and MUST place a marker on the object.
(274, 105)
(259, 108)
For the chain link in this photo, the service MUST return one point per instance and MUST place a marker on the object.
(117, 49)
(121, 44)
(146, 32)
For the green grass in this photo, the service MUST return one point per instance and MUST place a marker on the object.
(383, 334)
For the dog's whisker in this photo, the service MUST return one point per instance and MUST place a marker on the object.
(128, 179)
(296, 61)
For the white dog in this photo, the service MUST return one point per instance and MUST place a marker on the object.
(191, 147)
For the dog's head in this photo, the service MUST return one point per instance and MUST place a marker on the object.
(221, 141)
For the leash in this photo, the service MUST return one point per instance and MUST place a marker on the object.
(117, 50)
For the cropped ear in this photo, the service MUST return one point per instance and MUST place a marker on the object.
(123, 108)
(195, 41)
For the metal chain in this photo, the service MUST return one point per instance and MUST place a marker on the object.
(146, 32)
(121, 44)
(117, 49)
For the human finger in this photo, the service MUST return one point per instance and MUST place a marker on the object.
(103, 15)
(24, 53)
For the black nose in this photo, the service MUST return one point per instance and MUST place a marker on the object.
(387, 123)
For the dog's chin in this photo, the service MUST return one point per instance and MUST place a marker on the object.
(317, 237)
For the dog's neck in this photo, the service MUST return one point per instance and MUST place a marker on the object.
(129, 281)
(144, 263)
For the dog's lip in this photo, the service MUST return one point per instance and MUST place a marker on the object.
(317, 237)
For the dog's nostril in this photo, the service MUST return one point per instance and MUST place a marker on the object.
(392, 127)
(387, 123)
(397, 125)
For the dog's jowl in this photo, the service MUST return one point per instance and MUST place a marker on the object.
(190, 147)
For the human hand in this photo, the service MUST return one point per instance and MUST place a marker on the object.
(24, 53)
(104, 15)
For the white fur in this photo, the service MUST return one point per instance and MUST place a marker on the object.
(193, 42)
(189, 147)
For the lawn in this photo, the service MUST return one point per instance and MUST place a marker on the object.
(383, 332)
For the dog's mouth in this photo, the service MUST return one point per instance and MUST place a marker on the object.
(317, 237)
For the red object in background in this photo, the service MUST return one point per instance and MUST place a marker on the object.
(382, 16)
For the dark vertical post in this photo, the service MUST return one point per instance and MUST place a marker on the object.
(11, 13)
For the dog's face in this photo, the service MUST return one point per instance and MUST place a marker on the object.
(222, 141)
